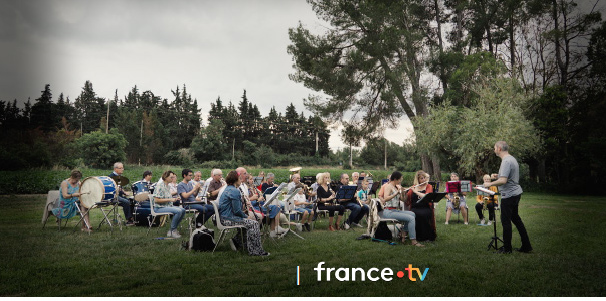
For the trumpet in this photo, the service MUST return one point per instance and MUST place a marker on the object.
(485, 200)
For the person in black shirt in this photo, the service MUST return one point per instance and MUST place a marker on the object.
(325, 199)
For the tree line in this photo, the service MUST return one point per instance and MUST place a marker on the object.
(466, 74)
(145, 128)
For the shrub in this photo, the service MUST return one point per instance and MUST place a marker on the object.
(102, 150)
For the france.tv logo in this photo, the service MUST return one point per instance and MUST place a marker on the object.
(373, 274)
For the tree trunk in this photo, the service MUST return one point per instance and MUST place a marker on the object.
(426, 164)
(437, 173)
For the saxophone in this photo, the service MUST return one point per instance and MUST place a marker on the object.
(456, 200)
(485, 200)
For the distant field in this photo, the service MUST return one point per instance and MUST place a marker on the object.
(568, 234)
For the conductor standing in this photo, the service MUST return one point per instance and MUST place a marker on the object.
(511, 193)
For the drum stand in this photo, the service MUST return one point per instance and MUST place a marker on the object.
(117, 217)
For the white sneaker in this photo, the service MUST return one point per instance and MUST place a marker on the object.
(466, 223)
(169, 233)
(281, 230)
(357, 225)
(482, 222)
(346, 226)
(175, 234)
(489, 223)
(299, 227)
(446, 223)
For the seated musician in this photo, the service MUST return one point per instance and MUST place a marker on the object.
(163, 200)
(173, 186)
(294, 183)
(305, 207)
(362, 194)
(390, 197)
(357, 211)
(451, 197)
(263, 179)
(198, 179)
(215, 184)
(122, 200)
(325, 201)
(230, 209)
(354, 178)
(69, 197)
(273, 211)
(254, 195)
(147, 177)
(488, 201)
(187, 191)
(269, 182)
(424, 214)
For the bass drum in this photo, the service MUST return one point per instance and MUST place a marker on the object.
(97, 189)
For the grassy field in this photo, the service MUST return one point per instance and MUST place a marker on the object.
(567, 232)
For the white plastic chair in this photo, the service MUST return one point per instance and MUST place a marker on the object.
(221, 227)
(374, 207)
(154, 214)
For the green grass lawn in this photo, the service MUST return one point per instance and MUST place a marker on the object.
(567, 232)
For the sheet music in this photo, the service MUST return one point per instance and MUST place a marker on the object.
(274, 194)
(484, 190)
(204, 189)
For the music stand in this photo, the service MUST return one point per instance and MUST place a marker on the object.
(308, 180)
(288, 205)
(274, 194)
(204, 191)
(433, 197)
(494, 241)
(346, 192)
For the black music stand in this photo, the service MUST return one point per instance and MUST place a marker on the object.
(434, 197)
(346, 192)
(308, 180)
(494, 241)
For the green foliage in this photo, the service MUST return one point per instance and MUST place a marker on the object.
(474, 68)
(181, 157)
(210, 144)
(469, 133)
(102, 150)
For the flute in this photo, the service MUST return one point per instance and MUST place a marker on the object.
(411, 187)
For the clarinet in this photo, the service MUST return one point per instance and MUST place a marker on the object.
(245, 202)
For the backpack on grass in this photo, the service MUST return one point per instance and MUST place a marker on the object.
(202, 239)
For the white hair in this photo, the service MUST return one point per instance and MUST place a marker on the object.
(215, 172)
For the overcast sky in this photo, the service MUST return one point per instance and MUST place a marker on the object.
(215, 48)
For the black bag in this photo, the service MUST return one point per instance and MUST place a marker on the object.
(202, 239)
(382, 232)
